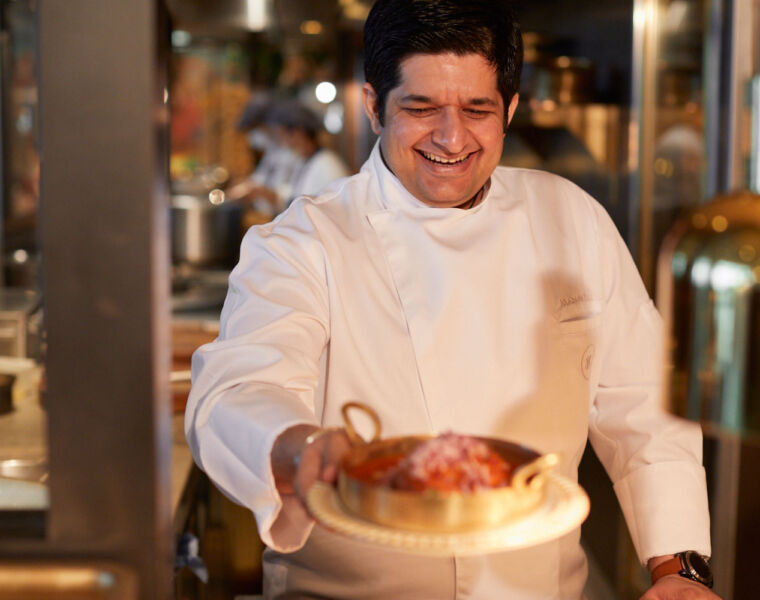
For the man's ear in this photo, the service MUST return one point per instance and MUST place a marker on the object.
(512, 107)
(369, 100)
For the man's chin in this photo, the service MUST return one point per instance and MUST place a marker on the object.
(446, 198)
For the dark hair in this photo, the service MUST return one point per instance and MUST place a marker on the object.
(396, 29)
(291, 114)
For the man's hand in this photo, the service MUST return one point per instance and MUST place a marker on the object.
(675, 587)
(320, 461)
(297, 465)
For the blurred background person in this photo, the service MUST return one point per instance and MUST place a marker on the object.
(298, 128)
(288, 133)
(276, 164)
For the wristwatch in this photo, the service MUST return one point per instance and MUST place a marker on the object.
(688, 564)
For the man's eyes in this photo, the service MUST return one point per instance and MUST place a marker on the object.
(419, 111)
(429, 110)
(477, 112)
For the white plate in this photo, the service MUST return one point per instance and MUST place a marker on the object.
(565, 507)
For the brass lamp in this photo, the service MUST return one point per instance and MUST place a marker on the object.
(708, 291)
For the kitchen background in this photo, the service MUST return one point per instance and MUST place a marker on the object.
(649, 105)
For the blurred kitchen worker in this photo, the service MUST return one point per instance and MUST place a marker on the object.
(272, 179)
(298, 129)
(448, 293)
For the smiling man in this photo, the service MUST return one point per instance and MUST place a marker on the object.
(448, 293)
(444, 126)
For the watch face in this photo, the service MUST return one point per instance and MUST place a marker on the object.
(698, 566)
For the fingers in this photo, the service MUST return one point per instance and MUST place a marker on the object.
(320, 461)
(335, 447)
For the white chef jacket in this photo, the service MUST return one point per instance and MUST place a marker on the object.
(277, 170)
(319, 170)
(523, 318)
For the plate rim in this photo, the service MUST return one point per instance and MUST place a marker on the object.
(565, 507)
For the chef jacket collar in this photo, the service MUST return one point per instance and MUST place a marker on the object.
(393, 194)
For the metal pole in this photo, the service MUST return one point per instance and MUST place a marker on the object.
(642, 131)
(104, 218)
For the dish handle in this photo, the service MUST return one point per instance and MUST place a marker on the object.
(353, 435)
(521, 480)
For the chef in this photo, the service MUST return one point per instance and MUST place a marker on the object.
(299, 128)
(449, 294)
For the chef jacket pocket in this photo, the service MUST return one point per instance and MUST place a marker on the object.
(579, 318)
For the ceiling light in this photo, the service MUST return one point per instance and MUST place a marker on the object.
(325, 92)
(311, 27)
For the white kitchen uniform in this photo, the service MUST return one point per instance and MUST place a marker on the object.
(320, 169)
(523, 318)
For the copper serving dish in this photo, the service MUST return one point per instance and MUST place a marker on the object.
(433, 511)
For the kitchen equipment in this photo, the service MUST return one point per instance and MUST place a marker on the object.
(433, 511)
(206, 229)
(6, 395)
(562, 80)
(222, 15)
(709, 294)
(17, 309)
(26, 469)
(201, 181)
(198, 289)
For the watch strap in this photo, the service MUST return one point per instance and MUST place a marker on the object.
(672, 566)
(688, 564)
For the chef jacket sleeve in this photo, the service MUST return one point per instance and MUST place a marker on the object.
(259, 377)
(653, 458)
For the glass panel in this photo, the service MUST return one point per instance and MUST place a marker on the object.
(23, 439)
(679, 165)
(574, 108)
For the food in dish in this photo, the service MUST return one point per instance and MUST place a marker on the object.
(447, 463)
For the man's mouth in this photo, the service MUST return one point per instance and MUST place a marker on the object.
(445, 161)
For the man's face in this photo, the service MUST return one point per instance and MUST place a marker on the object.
(444, 126)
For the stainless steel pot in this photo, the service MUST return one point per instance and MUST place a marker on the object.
(206, 229)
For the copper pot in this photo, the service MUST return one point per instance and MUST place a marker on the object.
(434, 511)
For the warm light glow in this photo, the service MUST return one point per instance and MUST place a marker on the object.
(257, 16)
(356, 11)
(216, 197)
(311, 27)
(719, 223)
(663, 167)
(643, 13)
(325, 92)
(548, 105)
(729, 276)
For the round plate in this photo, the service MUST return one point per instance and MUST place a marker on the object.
(565, 507)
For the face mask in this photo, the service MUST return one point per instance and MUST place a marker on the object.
(259, 140)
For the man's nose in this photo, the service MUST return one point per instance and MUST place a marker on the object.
(450, 133)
